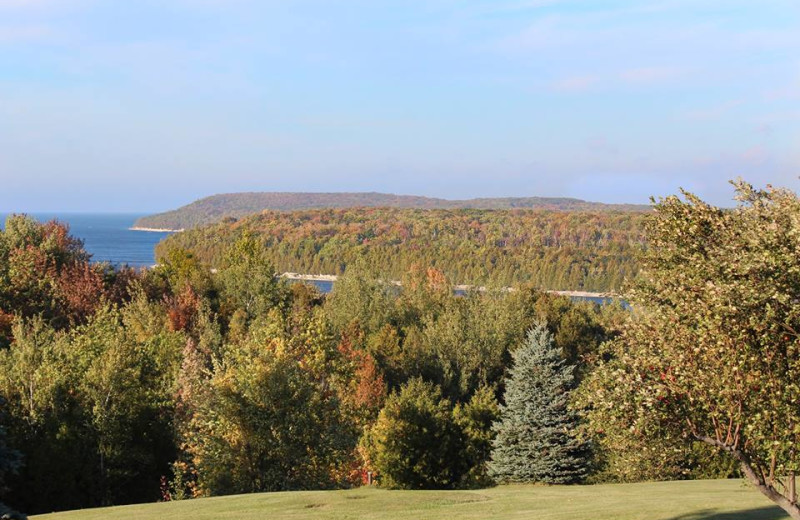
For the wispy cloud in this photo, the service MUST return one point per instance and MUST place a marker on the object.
(545, 33)
(554, 90)
(790, 91)
(20, 3)
(755, 155)
(25, 33)
(601, 145)
(655, 76)
(650, 75)
(713, 112)
(712, 49)
(575, 83)
(499, 7)
(39, 5)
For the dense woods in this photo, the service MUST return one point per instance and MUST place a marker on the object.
(547, 249)
(177, 382)
(212, 209)
(209, 375)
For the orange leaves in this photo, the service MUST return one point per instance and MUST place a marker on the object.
(182, 308)
(6, 321)
(80, 287)
(368, 388)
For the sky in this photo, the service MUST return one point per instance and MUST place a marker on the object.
(147, 105)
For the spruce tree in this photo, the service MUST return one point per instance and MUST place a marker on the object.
(535, 437)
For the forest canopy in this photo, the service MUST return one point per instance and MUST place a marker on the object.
(210, 210)
(590, 251)
(178, 382)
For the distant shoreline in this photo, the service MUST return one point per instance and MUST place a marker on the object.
(333, 278)
(155, 230)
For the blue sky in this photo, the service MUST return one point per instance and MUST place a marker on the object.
(149, 104)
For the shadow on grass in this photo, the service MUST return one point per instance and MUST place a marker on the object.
(761, 513)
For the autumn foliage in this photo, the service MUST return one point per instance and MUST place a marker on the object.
(197, 379)
(593, 251)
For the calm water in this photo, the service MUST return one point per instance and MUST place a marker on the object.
(107, 237)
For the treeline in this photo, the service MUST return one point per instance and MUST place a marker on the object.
(550, 250)
(176, 382)
(212, 209)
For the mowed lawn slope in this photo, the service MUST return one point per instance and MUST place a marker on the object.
(697, 500)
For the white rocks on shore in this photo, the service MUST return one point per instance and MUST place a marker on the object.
(333, 278)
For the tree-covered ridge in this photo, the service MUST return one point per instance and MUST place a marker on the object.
(217, 207)
(593, 251)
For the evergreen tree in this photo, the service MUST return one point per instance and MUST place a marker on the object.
(535, 437)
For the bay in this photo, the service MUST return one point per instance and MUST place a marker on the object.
(107, 236)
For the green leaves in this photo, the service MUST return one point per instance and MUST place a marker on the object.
(555, 250)
(415, 443)
(711, 350)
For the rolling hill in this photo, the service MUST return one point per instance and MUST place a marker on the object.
(236, 205)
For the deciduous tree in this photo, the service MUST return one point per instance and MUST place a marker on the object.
(415, 444)
(712, 350)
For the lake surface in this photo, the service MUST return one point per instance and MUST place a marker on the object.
(106, 236)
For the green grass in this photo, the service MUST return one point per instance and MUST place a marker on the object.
(697, 500)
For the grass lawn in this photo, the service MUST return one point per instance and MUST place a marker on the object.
(697, 500)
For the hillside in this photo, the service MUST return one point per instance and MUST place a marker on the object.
(589, 251)
(236, 205)
(686, 500)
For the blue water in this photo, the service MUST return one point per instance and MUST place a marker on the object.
(106, 236)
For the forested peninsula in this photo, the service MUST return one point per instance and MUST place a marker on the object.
(554, 250)
(215, 208)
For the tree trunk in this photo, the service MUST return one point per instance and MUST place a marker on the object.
(767, 490)
(788, 504)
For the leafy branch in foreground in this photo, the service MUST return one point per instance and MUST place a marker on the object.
(712, 351)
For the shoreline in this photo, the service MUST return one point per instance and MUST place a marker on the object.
(333, 278)
(155, 230)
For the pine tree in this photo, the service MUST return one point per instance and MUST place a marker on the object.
(535, 437)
